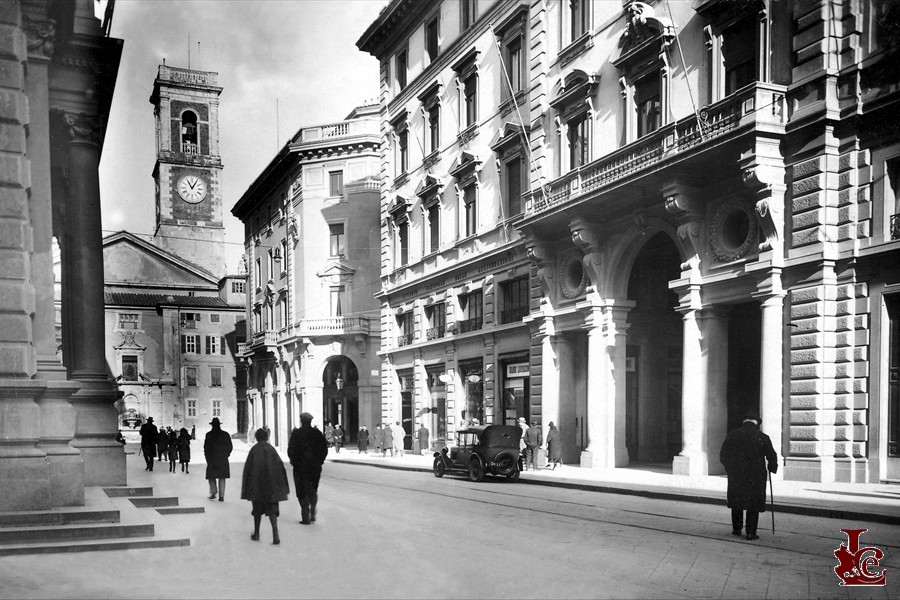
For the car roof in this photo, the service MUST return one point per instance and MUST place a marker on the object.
(495, 434)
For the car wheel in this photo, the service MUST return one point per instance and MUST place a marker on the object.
(476, 470)
(505, 464)
(514, 476)
(438, 468)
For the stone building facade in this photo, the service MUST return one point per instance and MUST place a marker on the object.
(57, 416)
(709, 222)
(312, 246)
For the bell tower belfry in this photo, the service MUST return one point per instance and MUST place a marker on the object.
(188, 171)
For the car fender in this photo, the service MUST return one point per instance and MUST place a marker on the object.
(444, 458)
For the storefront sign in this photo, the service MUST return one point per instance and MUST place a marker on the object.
(517, 370)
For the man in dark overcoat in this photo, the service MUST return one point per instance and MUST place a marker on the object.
(217, 448)
(265, 483)
(307, 450)
(744, 454)
(162, 444)
(149, 437)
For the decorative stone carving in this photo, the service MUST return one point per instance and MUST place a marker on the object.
(679, 202)
(764, 180)
(41, 35)
(539, 255)
(643, 25)
(293, 228)
(573, 279)
(733, 230)
(84, 129)
(589, 242)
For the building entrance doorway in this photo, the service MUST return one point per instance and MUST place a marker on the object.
(892, 460)
(744, 359)
(653, 355)
(341, 396)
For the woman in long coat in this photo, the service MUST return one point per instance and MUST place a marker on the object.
(265, 483)
(387, 440)
(184, 450)
(554, 446)
(362, 441)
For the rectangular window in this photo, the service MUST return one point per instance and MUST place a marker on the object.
(189, 344)
(129, 321)
(190, 376)
(468, 9)
(434, 128)
(130, 368)
(214, 318)
(402, 151)
(434, 227)
(580, 18)
(437, 321)
(471, 210)
(217, 408)
(284, 254)
(336, 239)
(336, 183)
(257, 274)
(739, 53)
(190, 320)
(401, 64)
(513, 186)
(405, 326)
(515, 64)
(215, 376)
(470, 97)
(431, 38)
(648, 104)
(270, 264)
(192, 408)
(213, 344)
(472, 308)
(515, 300)
(578, 141)
(338, 301)
(402, 243)
(238, 287)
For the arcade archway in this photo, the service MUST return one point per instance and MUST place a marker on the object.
(340, 395)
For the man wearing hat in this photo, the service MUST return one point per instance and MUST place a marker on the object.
(217, 449)
(149, 437)
(307, 450)
(744, 454)
(534, 437)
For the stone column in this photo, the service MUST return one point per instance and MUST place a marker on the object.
(714, 325)
(96, 419)
(771, 385)
(616, 328)
(592, 455)
(550, 409)
(693, 457)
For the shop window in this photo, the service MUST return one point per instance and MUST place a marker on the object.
(472, 375)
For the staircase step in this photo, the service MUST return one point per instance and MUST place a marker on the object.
(20, 535)
(74, 516)
(180, 510)
(153, 501)
(92, 545)
(121, 492)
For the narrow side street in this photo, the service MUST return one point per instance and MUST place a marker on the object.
(399, 534)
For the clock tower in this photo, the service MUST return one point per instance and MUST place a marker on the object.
(188, 171)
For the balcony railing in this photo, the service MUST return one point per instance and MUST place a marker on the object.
(330, 326)
(404, 340)
(339, 130)
(511, 315)
(895, 227)
(436, 332)
(761, 103)
(241, 348)
(470, 325)
(190, 76)
(262, 338)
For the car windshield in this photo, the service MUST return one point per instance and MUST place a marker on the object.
(466, 438)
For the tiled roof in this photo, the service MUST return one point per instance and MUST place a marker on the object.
(127, 299)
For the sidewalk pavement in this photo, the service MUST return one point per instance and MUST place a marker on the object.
(848, 501)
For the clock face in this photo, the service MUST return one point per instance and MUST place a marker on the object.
(192, 188)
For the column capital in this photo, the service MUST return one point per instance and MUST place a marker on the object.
(83, 128)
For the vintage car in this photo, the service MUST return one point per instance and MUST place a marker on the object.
(482, 449)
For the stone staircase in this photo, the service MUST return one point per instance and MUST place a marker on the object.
(112, 519)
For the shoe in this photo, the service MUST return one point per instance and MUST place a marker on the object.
(752, 536)
(304, 522)
(212, 496)
(254, 537)
(221, 499)
(312, 515)
(736, 532)
(276, 541)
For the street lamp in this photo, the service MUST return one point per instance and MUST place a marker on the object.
(339, 382)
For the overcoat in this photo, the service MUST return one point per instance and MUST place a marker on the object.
(184, 448)
(362, 440)
(265, 479)
(149, 437)
(217, 449)
(307, 451)
(387, 437)
(422, 434)
(554, 447)
(162, 442)
(379, 437)
(744, 454)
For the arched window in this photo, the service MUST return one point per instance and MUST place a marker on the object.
(189, 143)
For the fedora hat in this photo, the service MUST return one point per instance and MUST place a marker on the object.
(215, 421)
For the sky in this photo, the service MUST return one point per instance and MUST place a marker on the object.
(300, 53)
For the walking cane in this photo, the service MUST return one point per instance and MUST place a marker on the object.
(772, 502)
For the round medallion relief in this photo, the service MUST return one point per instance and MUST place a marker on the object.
(574, 279)
(734, 231)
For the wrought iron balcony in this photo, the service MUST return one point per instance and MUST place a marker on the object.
(470, 325)
(404, 340)
(511, 315)
(436, 332)
(758, 105)
(895, 227)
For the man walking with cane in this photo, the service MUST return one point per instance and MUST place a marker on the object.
(744, 454)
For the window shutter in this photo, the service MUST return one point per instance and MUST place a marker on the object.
(222, 344)
(183, 345)
(208, 339)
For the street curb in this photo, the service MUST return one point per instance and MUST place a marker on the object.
(685, 496)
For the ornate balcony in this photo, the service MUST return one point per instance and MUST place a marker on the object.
(468, 325)
(339, 130)
(434, 333)
(514, 314)
(260, 339)
(330, 326)
(404, 340)
(757, 106)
